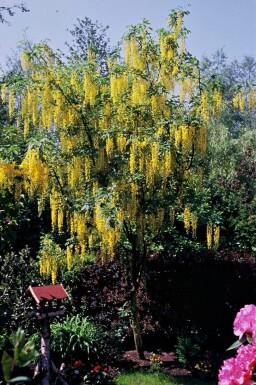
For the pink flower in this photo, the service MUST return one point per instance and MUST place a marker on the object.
(245, 321)
(231, 373)
(246, 357)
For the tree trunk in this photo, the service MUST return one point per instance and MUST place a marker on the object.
(135, 324)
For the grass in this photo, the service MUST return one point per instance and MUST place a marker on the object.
(156, 378)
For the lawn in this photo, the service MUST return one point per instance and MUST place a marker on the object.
(156, 378)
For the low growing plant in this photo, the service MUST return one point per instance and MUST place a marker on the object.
(188, 347)
(76, 338)
(23, 354)
(155, 362)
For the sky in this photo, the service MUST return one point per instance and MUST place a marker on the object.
(214, 24)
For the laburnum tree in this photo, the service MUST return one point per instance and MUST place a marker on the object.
(116, 155)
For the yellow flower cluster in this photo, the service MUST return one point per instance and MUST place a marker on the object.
(217, 101)
(118, 85)
(133, 55)
(252, 99)
(167, 46)
(204, 107)
(51, 258)
(3, 92)
(57, 213)
(190, 220)
(239, 101)
(36, 173)
(90, 89)
(11, 104)
(8, 173)
(139, 94)
(155, 362)
(186, 219)
(213, 235)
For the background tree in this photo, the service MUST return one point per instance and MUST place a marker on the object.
(87, 34)
(10, 11)
(235, 79)
(230, 141)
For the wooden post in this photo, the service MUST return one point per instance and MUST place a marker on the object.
(45, 362)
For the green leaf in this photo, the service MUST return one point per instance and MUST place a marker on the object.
(7, 365)
(237, 343)
(20, 379)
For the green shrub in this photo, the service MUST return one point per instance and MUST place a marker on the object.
(76, 338)
(17, 272)
(188, 349)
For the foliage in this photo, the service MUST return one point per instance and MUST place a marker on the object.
(10, 11)
(88, 35)
(236, 199)
(198, 309)
(16, 274)
(89, 374)
(188, 348)
(23, 354)
(98, 376)
(102, 292)
(234, 78)
(76, 338)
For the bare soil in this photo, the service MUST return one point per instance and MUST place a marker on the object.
(130, 361)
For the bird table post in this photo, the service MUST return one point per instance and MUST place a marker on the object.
(48, 305)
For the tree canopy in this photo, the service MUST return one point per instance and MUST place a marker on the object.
(10, 11)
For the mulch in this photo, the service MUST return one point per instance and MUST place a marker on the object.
(130, 361)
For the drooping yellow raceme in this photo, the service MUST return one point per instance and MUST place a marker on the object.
(204, 107)
(217, 101)
(238, 100)
(36, 173)
(8, 173)
(216, 235)
(90, 89)
(118, 85)
(133, 56)
(51, 257)
(209, 231)
(47, 106)
(194, 223)
(187, 219)
(187, 138)
(252, 99)
(11, 104)
(57, 215)
(4, 92)
(201, 140)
